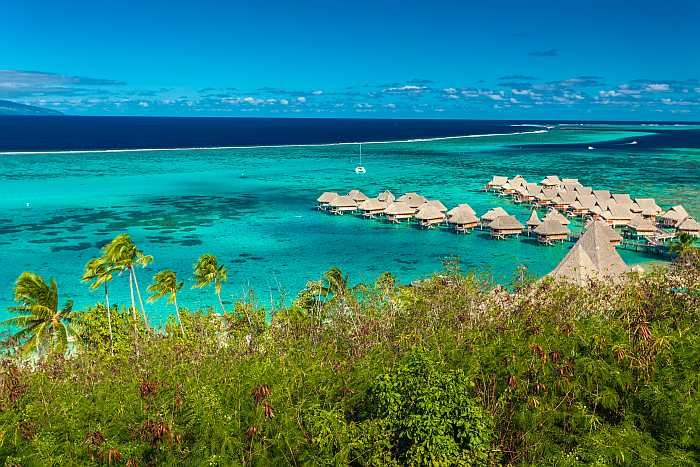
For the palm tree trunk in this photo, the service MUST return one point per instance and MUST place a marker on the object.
(223, 310)
(177, 312)
(109, 317)
(133, 305)
(138, 292)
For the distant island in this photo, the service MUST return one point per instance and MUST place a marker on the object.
(15, 108)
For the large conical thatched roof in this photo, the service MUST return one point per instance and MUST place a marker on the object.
(592, 257)
(551, 227)
(399, 208)
(428, 212)
(327, 197)
(461, 207)
(357, 195)
(343, 202)
(609, 232)
(534, 220)
(372, 204)
(491, 214)
(505, 223)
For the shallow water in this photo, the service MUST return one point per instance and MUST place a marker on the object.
(253, 207)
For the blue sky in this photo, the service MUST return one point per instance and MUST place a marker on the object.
(431, 59)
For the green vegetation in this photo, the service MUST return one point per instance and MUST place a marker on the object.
(451, 371)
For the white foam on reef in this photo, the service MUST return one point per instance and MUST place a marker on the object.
(214, 148)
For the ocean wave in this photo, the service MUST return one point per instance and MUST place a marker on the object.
(218, 148)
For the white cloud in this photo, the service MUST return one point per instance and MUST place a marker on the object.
(301, 99)
(406, 88)
(143, 104)
(449, 91)
(317, 92)
(611, 93)
(390, 106)
(284, 101)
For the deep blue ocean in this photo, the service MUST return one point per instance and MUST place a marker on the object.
(51, 133)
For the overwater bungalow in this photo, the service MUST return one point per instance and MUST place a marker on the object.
(372, 207)
(521, 194)
(617, 215)
(398, 211)
(429, 215)
(416, 202)
(640, 226)
(550, 231)
(325, 199)
(492, 214)
(517, 181)
(462, 218)
(505, 226)
(532, 222)
(342, 204)
(592, 258)
(358, 196)
(554, 215)
(550, 181)
(690, 226)
(545, 197)
(507, 189)
(496, 183)
(438, 204)
(409, 195)
(596, 212)
(583, 191)
(674, 216)
(582, 205)
(386, 197)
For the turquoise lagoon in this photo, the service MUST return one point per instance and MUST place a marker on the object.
(252, 207)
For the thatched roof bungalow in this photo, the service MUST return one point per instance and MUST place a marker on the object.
(563, 200)
(674, 216)
(492, 214)
(398, 211)
(550, 181)
(342, 204)
(438, 204)
(325, 199)
(582, 205)
(429, 215)
(617, 215)
(386, 197)
(496, 182)
(462, 218)
(648, 207)
(505, 226)
(550, 231)
(690, 226)
(372, 207)
(554, 215)
(641, 226)
(358, 196)
(533, 221)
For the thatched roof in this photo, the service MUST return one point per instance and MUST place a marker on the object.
(386, 197)
(640, 224)
(372, 204)
(461, 216)
(491, 214)
(601, 195)
(327, 197)
(551, 227)
(534, 220)
(505, 223)
(357, 195)
(409, 195)
(689, 225)
(343, 202)
(399, 208)
(550, 180)
(554, 215)
(565, 198)
(438, 204)
(592, 257)
(584, 190)
(428, 212)
(648, 206)
(585, 201)
(416, 202)
(498, 180)
(533, 188)
(623, 199)
(570, 181)
(461, 207)
(676, 214)
(617, 212)
(597, 210)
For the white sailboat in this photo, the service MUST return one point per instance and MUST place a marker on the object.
(360, 168)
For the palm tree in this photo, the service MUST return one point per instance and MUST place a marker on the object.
(683, 244)
(208, 271)
(44, 326)
(337, 285)
(124, 255)
(165, 284)
(100, 271)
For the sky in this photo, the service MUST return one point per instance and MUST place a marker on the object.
(564, 59)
